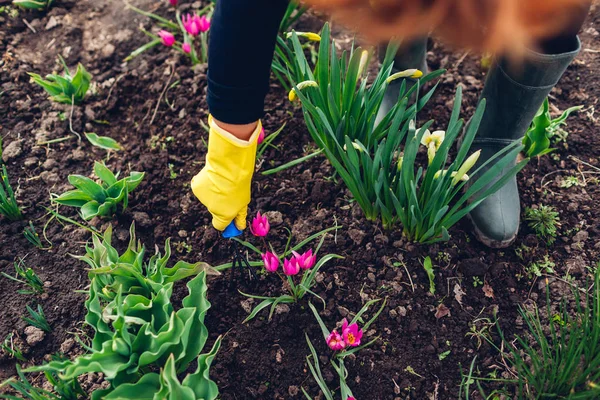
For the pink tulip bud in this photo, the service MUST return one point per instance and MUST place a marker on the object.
(203, 24)
(261, 136)
(173, 2)
(335, 341)
(271, 261)
(166, 38)
(352, 334)
(260, 225)
(350, 398)
(306, 260)
(291, 267)
(187, 48)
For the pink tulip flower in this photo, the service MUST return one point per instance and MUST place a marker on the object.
(352, 334)
(166, 38)
(204, 24)
(261, 136)
(173, 2)
(187, 48)
(191, 23)
(291, 267)
(306, 260)
(271, 261)
(260, 225)
(350, 398)
(335, 341)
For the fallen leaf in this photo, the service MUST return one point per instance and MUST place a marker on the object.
(442, 311)
(458, 293)
(487, 290)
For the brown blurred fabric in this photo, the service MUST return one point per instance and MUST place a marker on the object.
(490, 25)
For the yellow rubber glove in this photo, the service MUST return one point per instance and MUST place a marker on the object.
(223, 185)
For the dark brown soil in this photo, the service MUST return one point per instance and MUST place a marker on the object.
(265, 359)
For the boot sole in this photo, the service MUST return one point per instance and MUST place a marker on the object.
(494, 244)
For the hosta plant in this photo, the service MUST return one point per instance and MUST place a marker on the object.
(188, 34)
(297, 271)
(378, 161)
(347, 341)
(99, 199)
(66, 89)
(136, 327)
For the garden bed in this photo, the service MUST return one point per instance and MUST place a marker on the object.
(155, 105)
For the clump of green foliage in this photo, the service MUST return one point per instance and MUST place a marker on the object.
(377, 160)
(8, 204)
(544, 221)
(65, 89)
(557, 358)
(136, 327)
(99, 199)
(566, 362)
(62, 389)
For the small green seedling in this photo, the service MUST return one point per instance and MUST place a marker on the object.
(11, 349)
(37, 318)
(542, 129)
(99, 199)
(543, 221)
(430, 274)
(26, 276)
(65, 89)
(8, 204)
(541, 267)
(103, 142)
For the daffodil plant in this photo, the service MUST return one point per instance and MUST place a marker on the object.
(188, 34)
(292, 263)
(99, 199)
(378, 160)
(344, 343)
(137, 330)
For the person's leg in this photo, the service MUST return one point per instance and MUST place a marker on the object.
(514, 93)
(412, 54)
(242, 41)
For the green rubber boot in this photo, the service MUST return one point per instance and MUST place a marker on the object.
(513, 95)
(410, 55)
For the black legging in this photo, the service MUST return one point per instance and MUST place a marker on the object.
(242, 42)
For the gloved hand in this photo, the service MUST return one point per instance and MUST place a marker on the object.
(223, 185)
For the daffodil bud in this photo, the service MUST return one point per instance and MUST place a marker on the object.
(408, 73)
(467, 165)
(292, 95)
(355, 145)
(313, 37)
(363, 62)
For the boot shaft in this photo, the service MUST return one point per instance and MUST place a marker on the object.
(515, 91)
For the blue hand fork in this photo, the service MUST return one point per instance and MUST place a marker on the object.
(239, 259)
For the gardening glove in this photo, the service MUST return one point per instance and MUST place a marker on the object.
(223, 185)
